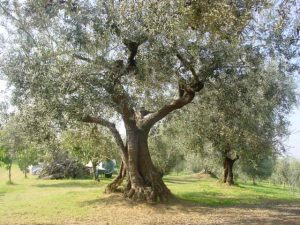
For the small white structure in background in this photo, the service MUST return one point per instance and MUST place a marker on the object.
(100, 165)
(36, 169)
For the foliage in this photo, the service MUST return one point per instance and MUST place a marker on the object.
(6, 157)
(9, 143)
(89, 143)
(72, 58)
(287, 172)
(14, 137)
(167, 153)
(26, 157)
(243, 115)
(228, 18)
(261, 168)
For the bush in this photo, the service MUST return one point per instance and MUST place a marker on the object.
(61, 166)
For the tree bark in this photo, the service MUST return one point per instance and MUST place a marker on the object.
(9, 173)
(115, 185)
(94, 170)
(230, 179)
(25, 173)
(145, 182)
(228, 170)
(225, 171)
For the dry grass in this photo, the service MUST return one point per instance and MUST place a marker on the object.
(114, 210)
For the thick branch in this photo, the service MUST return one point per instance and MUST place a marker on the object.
(133, 49)
(186, 95)
(77, 56)
(123, 104)
(188, 66)
(150, 119)
(236, 158)
(111, 127)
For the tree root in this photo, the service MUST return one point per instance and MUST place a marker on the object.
(148, 194)
(115, 186)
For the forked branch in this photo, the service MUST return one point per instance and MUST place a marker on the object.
(187, 96)
(111, 126)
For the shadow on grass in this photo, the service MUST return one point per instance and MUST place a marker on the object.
(186, 180)
(277, 212)
(72, 184)
(199, 199)
(207, 199)
(217, 198)
(107, 199)
(264, 189)
(10, 183)
(187, 206)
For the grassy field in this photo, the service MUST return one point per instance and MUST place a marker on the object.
(33, 201)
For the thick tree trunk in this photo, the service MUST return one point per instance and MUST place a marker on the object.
(94, 170)
(228, 170)
(25, 173)
(230, 180)
(9, 174)
(144, 181)
(225, 171)
(253, 180)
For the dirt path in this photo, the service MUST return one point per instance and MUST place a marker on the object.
(114, 211)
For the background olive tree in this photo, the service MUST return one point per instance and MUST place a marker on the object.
(89, 144)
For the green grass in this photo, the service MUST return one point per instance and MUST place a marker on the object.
(35, 200)
(211, 192)
(40, 200)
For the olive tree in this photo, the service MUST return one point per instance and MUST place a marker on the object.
(6, 160)
(261, 167)
(137, 61)
(245, 116)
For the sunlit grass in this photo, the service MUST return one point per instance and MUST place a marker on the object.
(34, 201)
(212, 192)
(41, 200)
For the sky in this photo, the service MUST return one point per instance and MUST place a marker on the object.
(293, 142)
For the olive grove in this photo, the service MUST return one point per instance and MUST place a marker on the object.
(101, 62)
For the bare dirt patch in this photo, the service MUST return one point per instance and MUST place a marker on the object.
(113, 210)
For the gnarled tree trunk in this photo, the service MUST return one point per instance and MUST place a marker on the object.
(228, 170)
(94, 170)
(9, 173)
(225, 165)
(144, 181)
